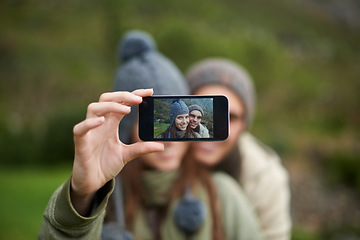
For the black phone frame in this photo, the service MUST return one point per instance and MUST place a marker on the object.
(220, 119)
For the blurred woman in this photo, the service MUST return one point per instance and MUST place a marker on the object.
(254, 165)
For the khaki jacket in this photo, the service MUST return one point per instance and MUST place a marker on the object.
(266, 184)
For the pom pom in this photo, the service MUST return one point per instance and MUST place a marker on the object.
(189, 214)
(112, 231)
(134, 44)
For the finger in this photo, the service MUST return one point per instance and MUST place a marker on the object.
(144, 92)
(103, 108)
(142, 148)
(83, 127)
(126, 98)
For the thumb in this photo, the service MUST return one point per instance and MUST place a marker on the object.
(142, 148)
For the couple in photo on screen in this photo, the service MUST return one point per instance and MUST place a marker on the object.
(185, 122)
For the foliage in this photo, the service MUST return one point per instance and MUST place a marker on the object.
(303, 234)
(57, 55)
(343, 168)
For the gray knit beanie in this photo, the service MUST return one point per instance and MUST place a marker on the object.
(227, 73)
(178, 107)
(144, 67)
(196, 107)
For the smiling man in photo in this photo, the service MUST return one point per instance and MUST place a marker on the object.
(196, 113)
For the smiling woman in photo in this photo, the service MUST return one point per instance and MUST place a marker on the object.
(179, 122)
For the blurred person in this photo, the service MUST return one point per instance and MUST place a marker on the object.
(143, 65)
(254, 165)
(162, 194)
(196, 114)
(179, 122)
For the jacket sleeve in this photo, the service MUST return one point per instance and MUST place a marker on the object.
(61, 221)
(238, 217)
(266, 184)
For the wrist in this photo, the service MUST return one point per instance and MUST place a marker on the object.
(81, 200)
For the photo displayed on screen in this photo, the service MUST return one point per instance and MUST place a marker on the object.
(183, 118)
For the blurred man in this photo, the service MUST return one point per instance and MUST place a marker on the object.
(253, 164)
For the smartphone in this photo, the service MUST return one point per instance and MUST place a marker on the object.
(184, 118)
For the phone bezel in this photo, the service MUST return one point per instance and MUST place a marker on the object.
(220, 119)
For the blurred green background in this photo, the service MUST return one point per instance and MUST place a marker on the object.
(58, 56)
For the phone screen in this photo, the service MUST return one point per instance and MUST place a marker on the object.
(184, 118)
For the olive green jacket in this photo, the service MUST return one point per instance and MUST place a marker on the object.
(61, 221)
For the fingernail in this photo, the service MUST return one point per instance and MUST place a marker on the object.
(138, 98)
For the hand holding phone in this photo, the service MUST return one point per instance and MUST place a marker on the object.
(184, 118)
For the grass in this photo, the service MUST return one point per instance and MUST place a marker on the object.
(159, 128)
(24, 196)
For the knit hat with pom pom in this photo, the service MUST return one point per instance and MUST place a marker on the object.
(144, 67)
